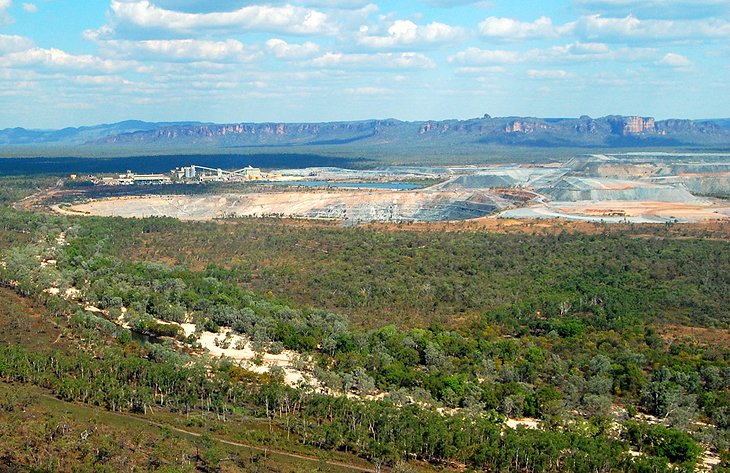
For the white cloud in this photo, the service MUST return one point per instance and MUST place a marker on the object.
(594, 27)
(283, 50)
(181, 50)
(200, 6)
(509, 29)
(98, 80)
(209, 6)
(13, 43)
(458, 3)
(286, 18)
(487, 56)
(30, 7)
(569, 53)
(649, 3)
(5, 18)
(367, 91)
(374, 61)
(675, 60)
(55, 59)
(406, 33)
(589, 48)
(480, 70)
(340, 4)
(668, 9)
(549, 74)
(633, 28)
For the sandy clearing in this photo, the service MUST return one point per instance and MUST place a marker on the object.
(246, 355)
(527, 422)
(621, 211)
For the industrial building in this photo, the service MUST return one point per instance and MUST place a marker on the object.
(189, 174)
(196, 173)
(130, 178)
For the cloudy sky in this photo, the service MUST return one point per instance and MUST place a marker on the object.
(82, 62)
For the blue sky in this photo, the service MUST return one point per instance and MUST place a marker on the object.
(83, 62)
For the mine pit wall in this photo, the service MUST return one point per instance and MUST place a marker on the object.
(708, 184)
(652, 194)
(350, 206)
(389, 212)
(459, 210)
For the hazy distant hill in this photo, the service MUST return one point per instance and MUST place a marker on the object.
(78, 136)
(609, 131)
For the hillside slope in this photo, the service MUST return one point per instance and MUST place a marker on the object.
(609, 131)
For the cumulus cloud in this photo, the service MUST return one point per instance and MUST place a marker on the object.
(283, 50)
(631, 27)
(480, 70)
(98, 80)
(339, 4)
(367, 91)
(675, 9)
(30, 7)
(5, 17)
(211, 6)
(597, 27)
(675, 60)
(405, 33)
(200, 6)
(286, 18)
(57, 60)
(569, 53)
(458, 3)
(181, 50)
(549, 74)
(374, 61)
(487, 56)
(13, 43)
(510, 29)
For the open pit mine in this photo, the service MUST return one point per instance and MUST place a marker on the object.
(610, 188)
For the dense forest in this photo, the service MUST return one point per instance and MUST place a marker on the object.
(448, 332)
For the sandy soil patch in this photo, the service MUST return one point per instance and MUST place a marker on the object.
(527, 422)
(240, 349)
(620, 211)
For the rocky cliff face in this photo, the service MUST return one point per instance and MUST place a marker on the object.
(627, 126)
(583, 131)
(610, 131)
(636, 125)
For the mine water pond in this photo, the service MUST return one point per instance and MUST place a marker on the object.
(144, 339)
(394, 185)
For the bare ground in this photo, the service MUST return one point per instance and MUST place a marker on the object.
(364, 205)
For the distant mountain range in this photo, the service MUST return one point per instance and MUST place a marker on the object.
(610, 131)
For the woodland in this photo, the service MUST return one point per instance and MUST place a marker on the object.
(424, 342)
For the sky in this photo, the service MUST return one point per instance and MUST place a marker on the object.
(84, 62)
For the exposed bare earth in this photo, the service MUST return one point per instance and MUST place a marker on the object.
(699, 335)
(368, 206)
(591, 189)
(357, 205)
(623, 210)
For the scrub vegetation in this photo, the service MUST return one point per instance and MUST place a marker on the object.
(423, 343)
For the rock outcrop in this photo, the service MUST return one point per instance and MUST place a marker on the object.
(610, 131)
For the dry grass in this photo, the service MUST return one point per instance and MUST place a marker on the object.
(673, 333)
